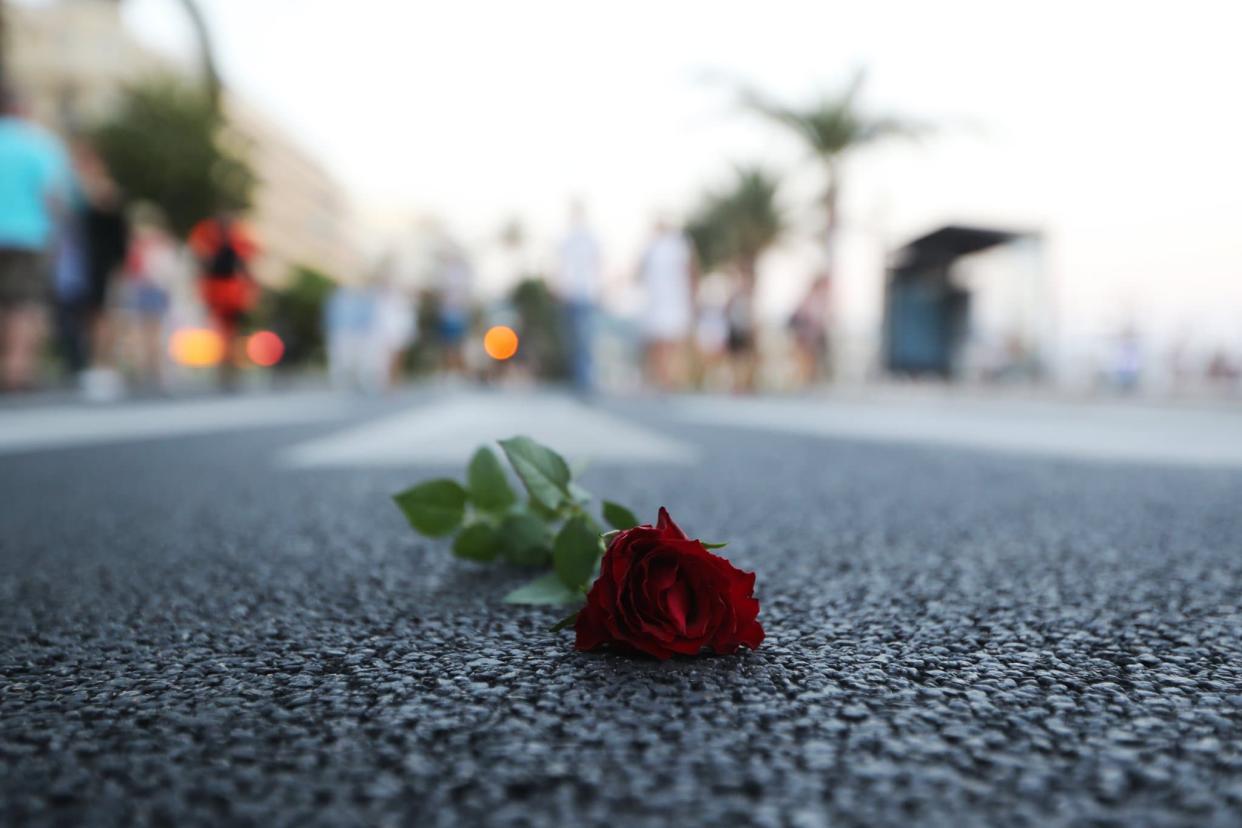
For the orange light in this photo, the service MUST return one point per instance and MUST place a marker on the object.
(196, 347)
(500, 342)
(265, 348)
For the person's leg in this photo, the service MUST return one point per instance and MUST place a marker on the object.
(70, 331)
(679, 359)
(651, 359)
(227, 328)
(152, 357)
(582, 357)
(24, 286)
(22, 334)
(100, 327)
(664, 368)
(396, 366)
(746, 360)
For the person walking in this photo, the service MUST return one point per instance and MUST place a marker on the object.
(456, 281)
(35, 178)
(152, 269)
(578, 277)
(669, 272)
(105, 236)
(395, 329)
(349, 322)
(809, 326)
(70, 286)
(741, 340)
(224, 249)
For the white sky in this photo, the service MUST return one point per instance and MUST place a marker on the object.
(1114, 127)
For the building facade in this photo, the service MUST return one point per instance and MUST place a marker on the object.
(70, 60)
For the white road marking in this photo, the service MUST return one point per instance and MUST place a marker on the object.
(447, 432)
(1120, 431)
(61, 426)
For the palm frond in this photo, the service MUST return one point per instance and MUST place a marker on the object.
(734, 226)
(835, 123)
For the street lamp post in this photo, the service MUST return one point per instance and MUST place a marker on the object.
(211, 75)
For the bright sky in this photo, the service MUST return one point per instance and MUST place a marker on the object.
(1113, 127)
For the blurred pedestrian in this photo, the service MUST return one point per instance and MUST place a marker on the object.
(711, 331)
(741, 341)
(455, 281)
(105, 232)
(224, 249)
(578, 282)
(1127, 367)
(349, 318)
(394, 329)
(668, 273)
(34, 192)
(809, 327)
(153, 268)
(70, 285)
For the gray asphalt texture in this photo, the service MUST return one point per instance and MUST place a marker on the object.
(189, 635)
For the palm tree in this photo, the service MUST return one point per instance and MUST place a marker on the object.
(206, 52)
(831, 128)
(732, 229)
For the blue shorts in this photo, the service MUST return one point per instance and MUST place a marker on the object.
(148, 300)
(453, 327)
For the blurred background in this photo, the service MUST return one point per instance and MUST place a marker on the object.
(695, 196)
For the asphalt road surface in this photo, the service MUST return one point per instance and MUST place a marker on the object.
(220, 618)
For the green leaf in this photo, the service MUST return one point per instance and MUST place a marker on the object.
(618, 516)
(477, 542)
(542, 512)
(579, 494)
(434, 508)
(575, 551)
(489, 488)
(546, 589)
(567, 621)
(542, 471)
(524, 539)
(707, 545)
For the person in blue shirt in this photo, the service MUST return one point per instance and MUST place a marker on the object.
(34, 188)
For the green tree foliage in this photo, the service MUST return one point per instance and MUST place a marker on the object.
(733, 227)
(296, 314)
(163, 143)
(540, 328)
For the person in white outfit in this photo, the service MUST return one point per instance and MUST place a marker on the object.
(394, 329)
(669, 270)
(578, 279)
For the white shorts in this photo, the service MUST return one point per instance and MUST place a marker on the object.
(665, 324)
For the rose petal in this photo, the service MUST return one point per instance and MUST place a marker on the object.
(677, 602)
(668, 528)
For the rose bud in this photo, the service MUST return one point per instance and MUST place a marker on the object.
(661, 593)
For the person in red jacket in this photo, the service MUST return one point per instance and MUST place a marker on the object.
(224, 248)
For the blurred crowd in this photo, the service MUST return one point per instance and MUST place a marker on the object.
(694, 330)
(92, 272)
(92, 277)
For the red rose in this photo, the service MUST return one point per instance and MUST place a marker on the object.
(660, 593)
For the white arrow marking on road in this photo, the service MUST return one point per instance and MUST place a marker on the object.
(447, 432)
